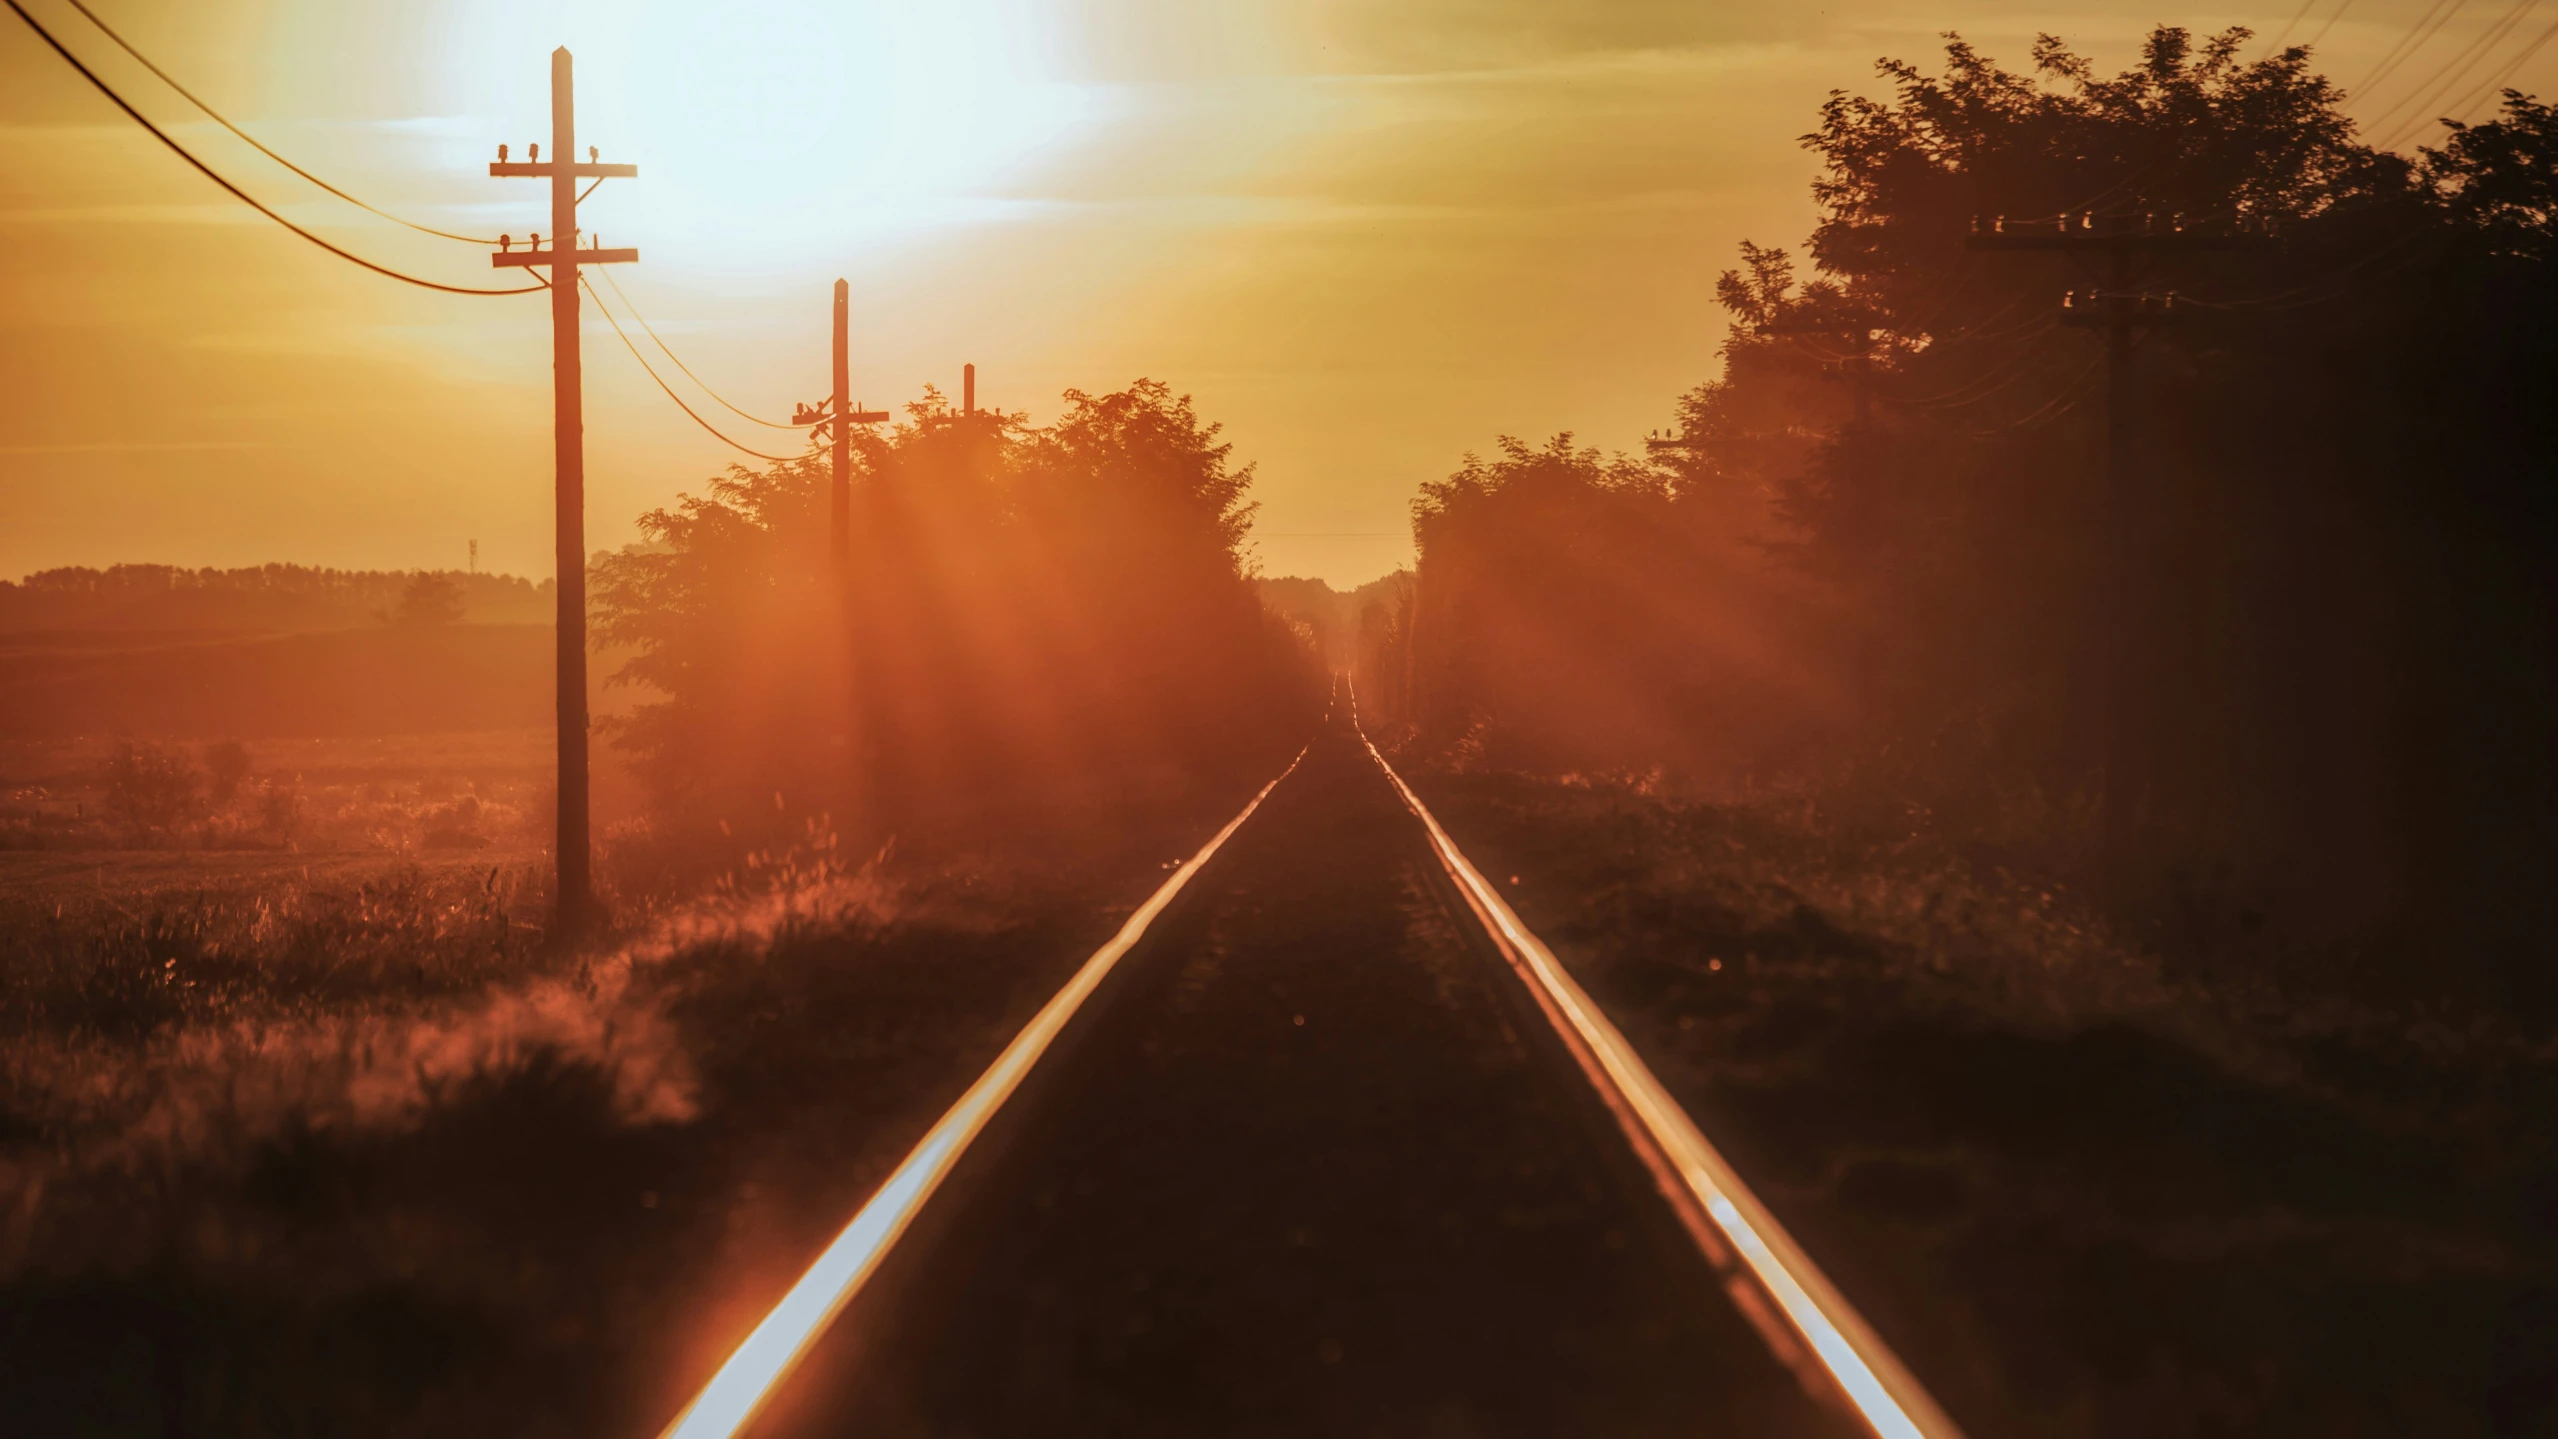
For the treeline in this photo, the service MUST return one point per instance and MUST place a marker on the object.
(2312, 640)
(1029, 620)
(270, 598)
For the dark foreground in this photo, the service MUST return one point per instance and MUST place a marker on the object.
(1305, 1167)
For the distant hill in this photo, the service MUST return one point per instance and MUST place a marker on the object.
(269, 652)
(380, 680)
(266, 599)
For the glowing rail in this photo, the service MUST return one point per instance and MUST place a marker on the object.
(758, 1366)
(1867, 1375)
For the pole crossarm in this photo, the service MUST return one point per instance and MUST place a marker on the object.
(552, 170)
(2131, 244)
(820, 417)
(1861, 330)
(522, 259)
(2096, 309)
(2083, 234)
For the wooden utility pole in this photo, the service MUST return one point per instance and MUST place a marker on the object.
(823, 422)
(839, 486)
(568, 458)
(2123, 313)
(967, 390)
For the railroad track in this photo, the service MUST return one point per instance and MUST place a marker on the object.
(1324, 1141)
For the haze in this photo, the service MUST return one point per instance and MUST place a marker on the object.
(1367, 237)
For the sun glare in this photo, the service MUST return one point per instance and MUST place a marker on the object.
(769, 132)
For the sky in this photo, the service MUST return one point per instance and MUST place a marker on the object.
(1368, 236)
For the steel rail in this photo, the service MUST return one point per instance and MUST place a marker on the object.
(1867, 1376)
(777, 1343)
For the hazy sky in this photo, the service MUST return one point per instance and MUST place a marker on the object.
(1366, 236)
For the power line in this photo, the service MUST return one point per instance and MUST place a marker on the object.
(679, 363)
(2067, 399)
(218, 118)
(661, 380)
(235, 191)
(2452, 73)
(2417, 36)
(2498, 81)
(2288, 26)
(2312, 42)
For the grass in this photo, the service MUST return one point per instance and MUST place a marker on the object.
(460, 792)
(334, 1143)
(2082, 1193)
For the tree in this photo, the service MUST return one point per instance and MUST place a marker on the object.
(429, 599)
(1030, 611)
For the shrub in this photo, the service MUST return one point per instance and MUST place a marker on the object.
(150, 790)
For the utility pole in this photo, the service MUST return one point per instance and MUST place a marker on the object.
(568, 459)
(967, 390)
(2123, 313)
(823, 422)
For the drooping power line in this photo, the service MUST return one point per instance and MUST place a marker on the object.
(235, 191)
(2408, 44)
(688, 410)
(2496, 82)
(218, 118)
(2432, 89)
(679, 362)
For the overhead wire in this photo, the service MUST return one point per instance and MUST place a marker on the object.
(1998, 379)
(2066, 400)
(539, 283)
(235, 191)
(255, 144)
(2451, 73)
(2290, 25)
(687, 369)
(688, 410)
(2497, 83)
(2417, 37)
(2312, 42)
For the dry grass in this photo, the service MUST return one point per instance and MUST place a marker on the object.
(333, 1143)
(418, 795)
(2084, 1192)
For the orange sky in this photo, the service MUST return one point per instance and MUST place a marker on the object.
(1366, 236)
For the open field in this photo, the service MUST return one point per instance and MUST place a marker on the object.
(332, 1142)
(485, 792)
(2081, 1194)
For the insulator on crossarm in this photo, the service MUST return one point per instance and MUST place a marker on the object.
(501, 154)
(533, 153)
(506, 242)
(593, 155)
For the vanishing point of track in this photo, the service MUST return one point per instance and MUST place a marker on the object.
(1323, 1142)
